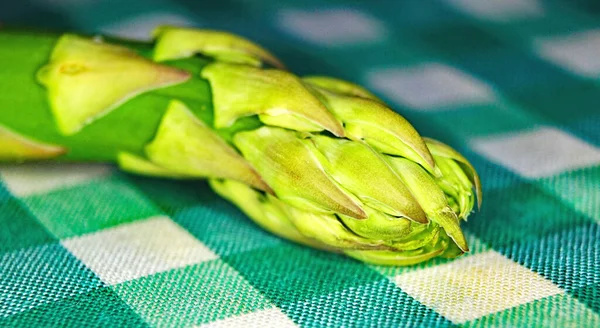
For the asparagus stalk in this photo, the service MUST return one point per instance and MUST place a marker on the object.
(316, 160)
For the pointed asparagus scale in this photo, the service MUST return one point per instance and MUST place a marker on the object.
(18, 148)
(88, 78)
(316, 160)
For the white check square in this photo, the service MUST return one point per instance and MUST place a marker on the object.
(538, 153)
(430, 86)
(261, 319)
(37, 178)
(331, 27)
(475, 286)
(499, 10)
(138, 249)
(577, 53)
(141, 27)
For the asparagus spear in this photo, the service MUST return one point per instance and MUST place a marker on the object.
(316, 160)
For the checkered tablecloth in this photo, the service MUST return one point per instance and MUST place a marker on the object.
(512, 84)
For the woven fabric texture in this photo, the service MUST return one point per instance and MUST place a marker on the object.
(511, 84)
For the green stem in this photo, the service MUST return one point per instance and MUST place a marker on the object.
(24, 105)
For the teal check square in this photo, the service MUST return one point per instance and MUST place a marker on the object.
(40, 275)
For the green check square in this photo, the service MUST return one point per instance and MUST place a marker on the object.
(568, 257)
(579, 189)
(90, 207)
(376, 304)
(19, 228)
(172, 196)
(513, 70)
(287, 274)
(589, 295)
(225, 229)
(192, 295)
(486, 119)
(520, 213)
(40, 275)
(97, 308)
(587, 128)
(568, 103)
(458, 38)
(4, 194)
(553, 311)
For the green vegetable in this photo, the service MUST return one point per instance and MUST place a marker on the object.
(316, 160)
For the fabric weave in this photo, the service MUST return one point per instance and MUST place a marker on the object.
(513, 85)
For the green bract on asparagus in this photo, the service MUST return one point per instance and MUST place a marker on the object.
(316, 160)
